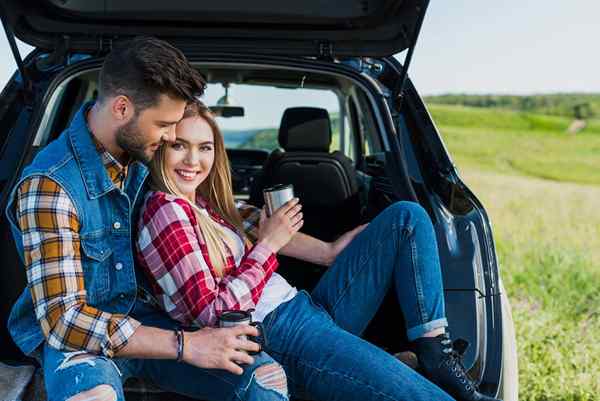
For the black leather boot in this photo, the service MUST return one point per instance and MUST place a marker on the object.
(441, 363)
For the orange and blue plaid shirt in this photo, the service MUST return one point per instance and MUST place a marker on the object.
(52, 253)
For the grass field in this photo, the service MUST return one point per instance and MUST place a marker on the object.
(541, 187)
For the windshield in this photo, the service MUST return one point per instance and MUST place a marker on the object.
(263, 108)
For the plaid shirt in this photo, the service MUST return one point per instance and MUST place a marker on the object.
(173, 252)
(52, 252)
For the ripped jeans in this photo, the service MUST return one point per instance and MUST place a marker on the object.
(71, 373)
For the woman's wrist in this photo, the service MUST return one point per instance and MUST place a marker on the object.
(268, 244)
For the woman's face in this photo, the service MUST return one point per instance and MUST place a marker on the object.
(190, 158)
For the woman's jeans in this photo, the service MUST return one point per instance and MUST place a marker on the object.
(316, 337)
(65, 375)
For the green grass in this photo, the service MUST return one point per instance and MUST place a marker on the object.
(541, 188)
(518, 143)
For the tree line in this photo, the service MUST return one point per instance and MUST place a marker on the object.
(576, 105)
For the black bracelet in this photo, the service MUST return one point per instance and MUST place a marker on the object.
(180, 339)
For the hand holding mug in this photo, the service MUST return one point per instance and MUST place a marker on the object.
(278, 229)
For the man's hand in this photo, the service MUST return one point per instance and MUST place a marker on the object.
(342, 242)
(216, 348)
(311, 249)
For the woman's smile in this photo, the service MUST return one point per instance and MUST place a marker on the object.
(188, 175)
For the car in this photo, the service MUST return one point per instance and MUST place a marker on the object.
(363, 137)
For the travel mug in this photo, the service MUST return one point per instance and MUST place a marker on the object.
(276, 196)
(234, 318)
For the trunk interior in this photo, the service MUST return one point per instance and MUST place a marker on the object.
(357, 143)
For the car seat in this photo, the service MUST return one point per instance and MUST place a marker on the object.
(325, 181)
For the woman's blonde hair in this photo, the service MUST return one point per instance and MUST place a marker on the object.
(216, 189)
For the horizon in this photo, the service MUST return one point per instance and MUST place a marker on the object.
(513, 94)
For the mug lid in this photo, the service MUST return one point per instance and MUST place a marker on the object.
(278, 187)
(235, 316)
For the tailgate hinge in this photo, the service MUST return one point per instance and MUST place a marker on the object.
(326, 50)
(60, 55)
(105, 45)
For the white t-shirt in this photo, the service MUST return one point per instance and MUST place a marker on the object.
(276, 291)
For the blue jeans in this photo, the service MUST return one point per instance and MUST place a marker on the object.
(65, 375)
(316, 338)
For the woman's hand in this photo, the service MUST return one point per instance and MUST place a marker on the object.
(220, 348)
(276, 231)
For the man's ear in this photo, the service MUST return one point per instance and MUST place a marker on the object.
(122, 108)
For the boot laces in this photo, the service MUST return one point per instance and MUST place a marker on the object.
(454, 360)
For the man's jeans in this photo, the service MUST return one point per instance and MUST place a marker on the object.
(316, 338)
(65, 375)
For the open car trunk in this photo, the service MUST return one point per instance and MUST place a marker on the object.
(467, 259)
(307, 28)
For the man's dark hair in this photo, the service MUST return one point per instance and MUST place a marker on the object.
(143, 68)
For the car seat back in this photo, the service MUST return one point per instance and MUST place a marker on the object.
(325, 182)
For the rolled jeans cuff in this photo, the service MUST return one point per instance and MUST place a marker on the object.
(415, 332)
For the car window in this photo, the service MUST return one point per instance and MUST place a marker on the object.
(348, 146)
(367, 127)
(64, 103)
(263, 109)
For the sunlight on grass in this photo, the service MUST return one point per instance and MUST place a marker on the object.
(557, 156)
(548, 243)
(541, 188)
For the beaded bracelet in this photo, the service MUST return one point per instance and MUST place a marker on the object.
(180, 339)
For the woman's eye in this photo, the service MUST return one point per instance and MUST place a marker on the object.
(205, 148)
(177, 146)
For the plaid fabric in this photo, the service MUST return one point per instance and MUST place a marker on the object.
(250, 217)
(50, 227)
(172, 251)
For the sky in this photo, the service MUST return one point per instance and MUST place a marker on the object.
(474, 46)
(508, 46)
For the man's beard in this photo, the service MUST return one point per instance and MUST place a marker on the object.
(131, 140)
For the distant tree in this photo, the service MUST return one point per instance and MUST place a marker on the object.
(582, 111)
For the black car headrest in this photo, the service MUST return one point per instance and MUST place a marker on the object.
(305, 129)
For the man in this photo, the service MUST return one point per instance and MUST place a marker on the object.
(85, 313)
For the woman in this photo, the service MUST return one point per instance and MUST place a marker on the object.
(203, 258)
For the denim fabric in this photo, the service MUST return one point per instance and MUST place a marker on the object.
(327, 363)
(398, 249)
(66, 376)
(315, 337)
(73, 161)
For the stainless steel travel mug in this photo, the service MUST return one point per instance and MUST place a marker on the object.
(277, 196)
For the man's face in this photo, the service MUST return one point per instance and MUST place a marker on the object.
(145, 132)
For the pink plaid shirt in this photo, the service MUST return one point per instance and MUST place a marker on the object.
(172, 251)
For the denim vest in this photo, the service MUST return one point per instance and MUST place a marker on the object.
(106, 216)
